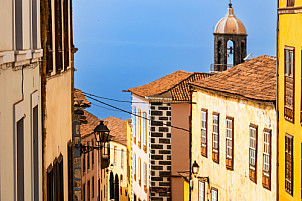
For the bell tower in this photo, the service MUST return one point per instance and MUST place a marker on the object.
(230, 38)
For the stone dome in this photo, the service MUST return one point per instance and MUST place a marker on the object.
(230, 24)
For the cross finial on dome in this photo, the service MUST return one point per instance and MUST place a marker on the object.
(230, 4)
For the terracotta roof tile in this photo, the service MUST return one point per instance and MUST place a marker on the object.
(79, 99)
(255, 79)
(92, 122)
(118, 129)
(160, 85)
(181, 91)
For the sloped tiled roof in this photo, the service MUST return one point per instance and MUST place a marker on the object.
(92, 122)
(80, 100)
(118, 130)
(181, 91)
(255, 79)
(160, 85)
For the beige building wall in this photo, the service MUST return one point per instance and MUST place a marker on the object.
(233, 185)
(20, 89)
(119, 167)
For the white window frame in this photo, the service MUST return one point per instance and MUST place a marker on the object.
(139, 169)
(115, 155)
(215, 134)
(122, 158)
(203, 127)
(134, 124)
(201, 191)
(139, 129)
(253, 147)
(214, 195)
(266, 152)
(145, 128)
(229, 140)
(145, 174)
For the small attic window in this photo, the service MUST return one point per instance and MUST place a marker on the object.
(290, 3)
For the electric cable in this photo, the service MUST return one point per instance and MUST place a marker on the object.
(176, 127)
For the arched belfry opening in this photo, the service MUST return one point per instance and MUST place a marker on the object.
(230, 39)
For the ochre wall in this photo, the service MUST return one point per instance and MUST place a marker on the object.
(58, 121)
(289, 34)
(233, 185)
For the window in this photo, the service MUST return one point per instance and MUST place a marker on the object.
(134, 124)
(88, 190)
(35, 144)
(215, 134)
(70, 171)
(83, 192)
(19, 24)
(145, 176)
(289, 166)
(19, 150)
(139, 129)
(290, 3)
(204, 140)
(115, 155)
(55, 189)
(139, 171)
(253, 152)
(201, 191)
(35, 25)
(134, 166)
(122, 159)
(230, 143)
(92, 185)
(50, 183)
(92, 154)
(49, 47)
(266, 175)
(214, 194)
(84, 155)
(289, 85)
(88, 158)
(58, 35)
(145, 131)
(66, 28)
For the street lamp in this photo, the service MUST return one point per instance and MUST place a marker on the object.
(195, 170)
(101, 134)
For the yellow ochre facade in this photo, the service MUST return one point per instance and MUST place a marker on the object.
(289, 43)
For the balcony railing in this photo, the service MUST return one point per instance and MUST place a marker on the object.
(216, 68)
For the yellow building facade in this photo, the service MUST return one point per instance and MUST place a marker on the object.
(289, 98)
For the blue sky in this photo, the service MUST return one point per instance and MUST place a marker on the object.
(128, 43)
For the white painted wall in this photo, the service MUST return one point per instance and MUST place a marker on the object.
(143, 105)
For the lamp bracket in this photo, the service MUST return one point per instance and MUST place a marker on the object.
(203, 179)
(86, 149)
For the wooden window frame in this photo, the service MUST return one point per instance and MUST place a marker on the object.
(253, 167)
(139, 171)
(288, 76)
(139, 128)
(88, 158)
(289, 180)
(204, 190)
(92, 187)
(266, 175)
(204, 145)
(92, 154)
(214, 189)
(58, 36)
(230, 161)
(145, 132)
(215, 151)
(290, 3)
(115, 156)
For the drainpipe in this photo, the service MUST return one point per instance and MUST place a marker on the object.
(190, 144)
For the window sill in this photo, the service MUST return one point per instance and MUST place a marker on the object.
(7, 57)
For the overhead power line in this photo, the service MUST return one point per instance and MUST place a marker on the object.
(125, 111)
(111, 99)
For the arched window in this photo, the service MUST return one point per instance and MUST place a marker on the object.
(241, 51)
(230, 53)
(111, 180)
(116, 188)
